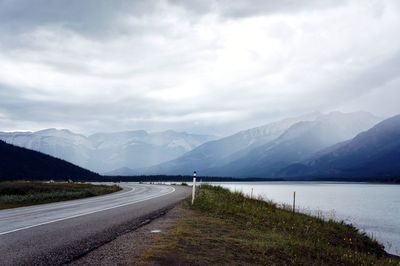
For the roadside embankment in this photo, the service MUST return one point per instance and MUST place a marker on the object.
(25, 193)
(228, 228)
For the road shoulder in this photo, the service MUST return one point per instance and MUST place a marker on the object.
(127, 249)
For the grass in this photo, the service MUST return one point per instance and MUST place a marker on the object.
(227, 228)
(24, 193)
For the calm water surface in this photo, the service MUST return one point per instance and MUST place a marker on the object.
(373, 208)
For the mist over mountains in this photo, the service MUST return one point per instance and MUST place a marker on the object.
(263, 151)
(315, 145)
(104, 152)
(218, 152)
(299, 142)
(374, 153)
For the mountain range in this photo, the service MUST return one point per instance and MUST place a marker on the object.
(104, 152)
(216, 152)
(263, 151)
(298, 143)
(312, 146)
(374, 153)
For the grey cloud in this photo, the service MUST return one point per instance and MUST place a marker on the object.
(243, 8)
(163, 64)
(93, 116)
(371, 78)
(97, 17)
(93, 18)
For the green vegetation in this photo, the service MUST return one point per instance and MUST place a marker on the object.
(227, 228)
(25, 193)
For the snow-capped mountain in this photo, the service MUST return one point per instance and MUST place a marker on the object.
(299, 142)
(104, 152)
(219, 152)
(374, 153)
(264, 150)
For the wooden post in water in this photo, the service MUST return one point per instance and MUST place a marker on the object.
(194, 186)
(294, 201)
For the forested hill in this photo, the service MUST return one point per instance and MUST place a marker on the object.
(21, 163)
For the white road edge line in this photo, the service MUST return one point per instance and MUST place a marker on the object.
(70, 203)
(83, 214)
(74, 201)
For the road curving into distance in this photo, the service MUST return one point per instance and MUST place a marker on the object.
(57, 233)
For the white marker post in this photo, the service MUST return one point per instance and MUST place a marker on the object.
(194, 186)
(294, 201)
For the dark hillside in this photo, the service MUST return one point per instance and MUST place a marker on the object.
(21, 163)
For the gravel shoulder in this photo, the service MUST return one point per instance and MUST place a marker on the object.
(127, 249)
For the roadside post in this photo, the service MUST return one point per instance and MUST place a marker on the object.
(194, 186)
(294, 201)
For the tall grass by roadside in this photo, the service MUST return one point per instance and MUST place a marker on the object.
(25, 193)
(228, 228)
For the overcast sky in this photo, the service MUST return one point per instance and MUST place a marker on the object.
(200, 66)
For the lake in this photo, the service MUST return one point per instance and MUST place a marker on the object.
(373, 208)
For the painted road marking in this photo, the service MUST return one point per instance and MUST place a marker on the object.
(87, 213)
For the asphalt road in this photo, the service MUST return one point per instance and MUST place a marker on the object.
(57, 233)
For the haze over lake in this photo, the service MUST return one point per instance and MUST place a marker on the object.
(373, 208)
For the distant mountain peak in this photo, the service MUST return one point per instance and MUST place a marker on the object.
(57, 132)
(374, 153)
(50, 130)
(339, 114)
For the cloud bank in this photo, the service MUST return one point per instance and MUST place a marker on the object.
(200, 66)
